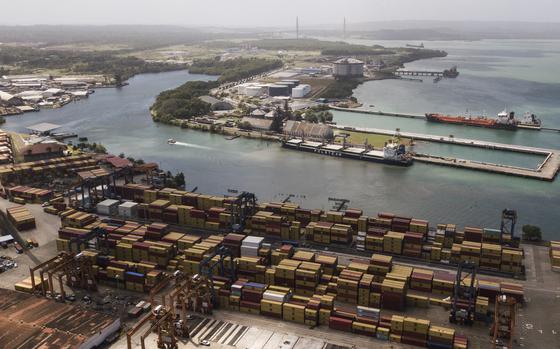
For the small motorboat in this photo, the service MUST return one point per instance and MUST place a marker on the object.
(171, 141)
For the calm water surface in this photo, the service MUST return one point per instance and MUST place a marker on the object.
(120, 120)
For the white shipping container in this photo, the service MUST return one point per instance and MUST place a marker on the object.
(108, 207)
(128, 209)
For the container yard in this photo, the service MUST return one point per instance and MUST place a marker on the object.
(391, 279)
(362, 285)
(387, 277)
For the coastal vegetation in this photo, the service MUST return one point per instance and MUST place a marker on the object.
(233, 69)
(339, 89)
(23, 60)
(2, 120)
(183, 102)
(328, 48)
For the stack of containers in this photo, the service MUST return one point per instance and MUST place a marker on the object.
(393, 293)
(554, 254)
(76, 219)
(488, 288)
(473, 234)
(460, 341)
(341, 320)
(250, 246)
(400, 224)
(273, 299)
(491, 256)
(513, 290)
(413, 244)
(419, 226)
(512, 260)
(421, 280)
(304, 256)
(285, 273)
(307, 276)
(481, 308)
(235, 294)
(384, 327)
(251, 296)
(341, 233)
(374, 239)
(366, 321)
(322, 232)
(347, 286)
(393, 242)
(156, 209)
(156, 231)
(274, 225)
(440, 337)
(450, 232)
(284, 252)
(380, 264)
(251, 268)
(234, 242)
(397, 327)
(364, 290)
(312, 311)
(415, 331)
(443, 283)
(21, 218)
(491, 235)
(334, 216)
(294, 311)
(328, 263)
(470, 252)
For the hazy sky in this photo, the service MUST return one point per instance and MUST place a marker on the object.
(268, 13)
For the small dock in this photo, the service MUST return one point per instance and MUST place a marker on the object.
(378, 112)
(546, 171)
(419, 73)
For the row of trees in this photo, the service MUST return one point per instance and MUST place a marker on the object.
(233, 69)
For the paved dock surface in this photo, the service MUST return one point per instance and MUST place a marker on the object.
(546, 171)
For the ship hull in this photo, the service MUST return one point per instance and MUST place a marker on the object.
(473, 122)
(349, 155)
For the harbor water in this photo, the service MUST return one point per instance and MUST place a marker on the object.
(120, 120)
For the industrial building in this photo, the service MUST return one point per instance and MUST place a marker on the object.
(30, 322)
(348, 68)
(216, 104)
(257, 123)
(301, 91)
(308, 130)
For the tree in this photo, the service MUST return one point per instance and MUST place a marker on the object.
(118, 80)
(531, 233)
(122, 156)
(245, 125)
(2, 120)
(180, 180)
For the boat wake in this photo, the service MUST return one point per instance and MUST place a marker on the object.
(196, 146)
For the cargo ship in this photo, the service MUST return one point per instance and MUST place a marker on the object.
(392, 153)
(505, 120)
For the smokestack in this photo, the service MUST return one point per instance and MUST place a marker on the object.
(344, 28)
(297, 28)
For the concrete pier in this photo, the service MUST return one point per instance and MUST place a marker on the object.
(379, 112)
(546, 171)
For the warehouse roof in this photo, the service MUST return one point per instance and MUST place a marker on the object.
(43, 127)
(30, 322)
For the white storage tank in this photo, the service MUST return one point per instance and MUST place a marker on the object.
(108, 207)
(128, 209)
(253, 91)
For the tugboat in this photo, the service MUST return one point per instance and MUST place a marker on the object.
(530, 121)
(171, 141)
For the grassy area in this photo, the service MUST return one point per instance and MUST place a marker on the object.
(359, 138)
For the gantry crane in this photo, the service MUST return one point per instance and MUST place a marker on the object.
(507, 227)
(242, 207)
(464, 295)
(504, 322)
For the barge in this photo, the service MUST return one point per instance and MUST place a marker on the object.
(392, 153)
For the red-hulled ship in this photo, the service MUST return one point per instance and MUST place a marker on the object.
(504, 120)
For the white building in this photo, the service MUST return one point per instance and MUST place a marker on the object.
(301, 91)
